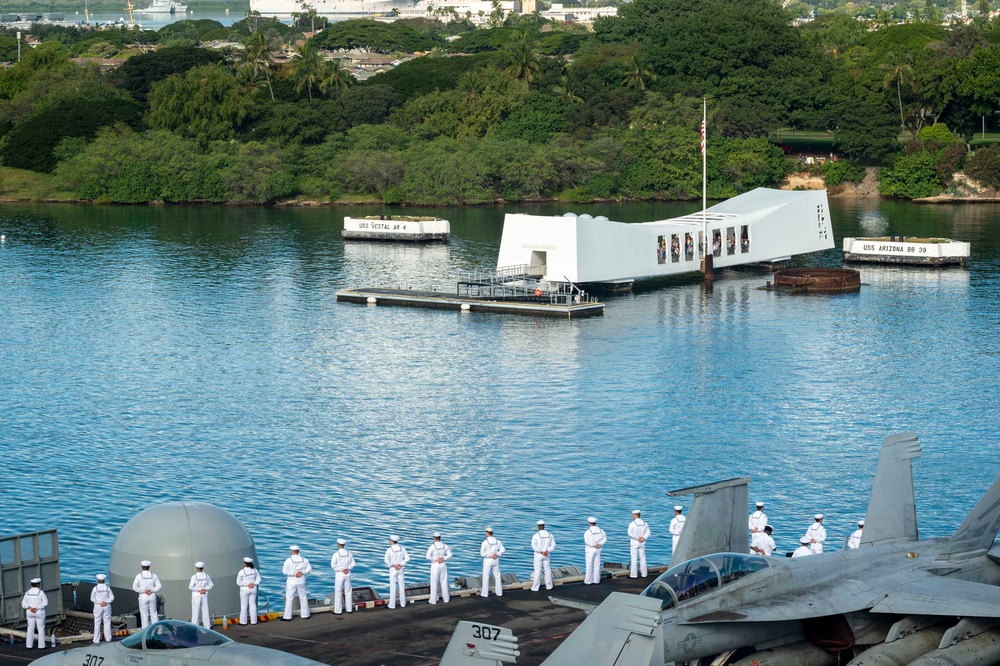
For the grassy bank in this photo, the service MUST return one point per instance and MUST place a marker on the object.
(23, 185)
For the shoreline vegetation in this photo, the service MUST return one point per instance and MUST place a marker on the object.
(521, 109)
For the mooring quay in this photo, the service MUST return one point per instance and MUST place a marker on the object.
(508, 290)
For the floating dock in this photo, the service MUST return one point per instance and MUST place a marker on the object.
(509, 290)
(441, 301)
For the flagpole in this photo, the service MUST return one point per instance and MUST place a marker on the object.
(704, 180)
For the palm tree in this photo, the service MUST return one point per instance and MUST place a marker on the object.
(307, 68)
(637, 75)
(310, 14)
(253, 16)
(897, 70)
(334, 77)
(256, 57)
(567, 89)
(525, 60)
(473, 86)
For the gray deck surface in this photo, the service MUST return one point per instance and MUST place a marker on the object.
(414, 635)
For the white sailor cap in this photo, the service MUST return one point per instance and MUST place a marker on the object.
(145, 563)
(393, 537)
(818, 516)
(591, 520)
(541, 523)
(804, 539)
(341, 542)
(436, 535)
(100, 576)
(760, 504)
(635, 511)
(199, 565)
(678, 507)
(293, 548)
(248, 560)
(490, 530)
(861, 523)
(36, 581)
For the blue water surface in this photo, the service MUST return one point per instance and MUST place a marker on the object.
(187, 353)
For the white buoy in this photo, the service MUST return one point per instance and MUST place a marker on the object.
(3, 238)
(372, 300)
(466, 307)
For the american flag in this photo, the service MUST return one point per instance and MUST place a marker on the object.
(702, 138)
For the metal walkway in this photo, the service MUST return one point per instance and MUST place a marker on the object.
(522, 283)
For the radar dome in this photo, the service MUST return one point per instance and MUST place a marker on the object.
(173, 536)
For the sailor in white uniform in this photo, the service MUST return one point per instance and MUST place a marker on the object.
(803, 548)
(542, 543)
(296, 568)
(490, 550)
(248, 580)
(396, 558)
(438, 554)
(638, 533)
(756, 523)
(765, 543)
(817, 535)
(676, 527)
(199, 585)
(146, 584)
(102, 596)
(593, 539)
(855, 539)
(34, 602)
(342, 563)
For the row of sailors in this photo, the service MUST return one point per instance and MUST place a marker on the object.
(811, 543)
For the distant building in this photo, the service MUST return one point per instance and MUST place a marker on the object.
(561, 13)
(477, 11)
(104, 64)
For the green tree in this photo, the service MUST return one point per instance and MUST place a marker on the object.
(524, 58)
(984, 166)
(257, 56)
(140, 72)
(307, 67)
(910, 177)
(637, 75)
(334, 77)
(897, 70)
(207, 104)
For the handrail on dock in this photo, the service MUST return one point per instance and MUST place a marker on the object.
(520, 282)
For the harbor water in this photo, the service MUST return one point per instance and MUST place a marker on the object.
(152, 354)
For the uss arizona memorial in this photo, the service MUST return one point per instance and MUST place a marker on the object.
(760, 226)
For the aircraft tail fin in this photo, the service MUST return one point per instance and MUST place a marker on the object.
(716, 521)
(624, 630)
(892, 513)
(976, 535)
(478, 644)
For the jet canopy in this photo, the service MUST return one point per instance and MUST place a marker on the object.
(702, 574)
(172, 635)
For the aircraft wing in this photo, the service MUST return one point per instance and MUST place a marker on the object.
(818, 601)
(934, 595)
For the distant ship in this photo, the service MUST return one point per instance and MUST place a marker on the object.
(327, 7)
(164, 7)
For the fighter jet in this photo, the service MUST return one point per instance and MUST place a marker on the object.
(919, 602)
(173, 642)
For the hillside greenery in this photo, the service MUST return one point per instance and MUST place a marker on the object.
(522, 110)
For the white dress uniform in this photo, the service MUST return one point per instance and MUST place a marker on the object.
(248, 580)
(638, 534)
(756, 524)
(490, 550)
(146, 584)
(199, 585)
(765, 544)
(341, 562)
(543, 543)
(35, 598)
(676, 527)
(854, 541)
(816, 535)
(296, 568)
(102, 596)
(803, 550)
(396, 555)
(439, 571)
(593, 539)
